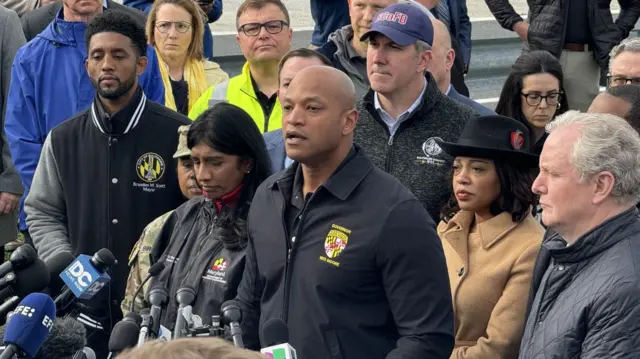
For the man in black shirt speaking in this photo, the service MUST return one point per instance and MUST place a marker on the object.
(338, 249)
(105, 174)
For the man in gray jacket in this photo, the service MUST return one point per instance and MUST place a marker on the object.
(11, 38)
(405, 112)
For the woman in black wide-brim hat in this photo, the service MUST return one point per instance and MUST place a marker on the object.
(489, 235)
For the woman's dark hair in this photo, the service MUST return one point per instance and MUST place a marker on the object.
(515, 195)
(529, 63)
(230, 130)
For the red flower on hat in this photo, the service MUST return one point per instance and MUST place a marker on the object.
(517, 140)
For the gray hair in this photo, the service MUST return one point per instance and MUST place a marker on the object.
(422, 46)
(606, 143)
(628, 45)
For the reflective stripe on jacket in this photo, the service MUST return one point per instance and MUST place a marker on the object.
(239, 91)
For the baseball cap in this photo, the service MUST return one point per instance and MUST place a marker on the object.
(182, 150)
(404, 24)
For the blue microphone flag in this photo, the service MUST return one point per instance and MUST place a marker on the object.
(30, 323)
(83, 278)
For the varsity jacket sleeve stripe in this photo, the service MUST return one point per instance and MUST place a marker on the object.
(45, 207)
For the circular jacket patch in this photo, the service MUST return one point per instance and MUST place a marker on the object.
(150, 167)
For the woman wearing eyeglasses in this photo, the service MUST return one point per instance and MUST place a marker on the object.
(533, 94)
(175, 29)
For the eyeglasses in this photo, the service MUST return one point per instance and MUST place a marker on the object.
(165, 26)
(534, 99)
(622, 80)
(253, 28)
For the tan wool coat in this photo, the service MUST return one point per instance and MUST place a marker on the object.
(490, 273)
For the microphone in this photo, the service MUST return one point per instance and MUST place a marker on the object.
(67, 338)
(187, 313)
(84, 353)
(231, 314)
(144, 327)
(29, 326)
(25, 281)
(184, 296)
(21, 258)
(158, 297)
(125, 334)
(155, 269)
(86, 276)
(276, 336)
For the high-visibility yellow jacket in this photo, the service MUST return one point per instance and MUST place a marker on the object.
(239, 91)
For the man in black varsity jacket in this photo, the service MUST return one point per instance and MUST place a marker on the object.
(106, 173)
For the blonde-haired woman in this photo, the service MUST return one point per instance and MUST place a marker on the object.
(175, 29)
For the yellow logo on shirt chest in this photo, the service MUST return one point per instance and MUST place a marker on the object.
(335, 243)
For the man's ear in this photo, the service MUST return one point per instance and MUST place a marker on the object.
(141, 65)
(351, 121)
(450, 58)
(425, 59)
(604, 182)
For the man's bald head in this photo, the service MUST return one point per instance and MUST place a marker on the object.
(319, 116)
(441, 35)
(443, 56)
(327, 81)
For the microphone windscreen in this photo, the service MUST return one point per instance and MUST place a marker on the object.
(133, 317)
(124, 335)
(30, 323)
(156, 268)
(31, 279)
(106, 258)
(57, 264)
(275, 332)
(67, 337)
(23, 256)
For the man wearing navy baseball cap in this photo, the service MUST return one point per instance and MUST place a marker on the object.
(405, 112)
(403, 24)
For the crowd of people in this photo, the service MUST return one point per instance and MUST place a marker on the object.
(352, 189)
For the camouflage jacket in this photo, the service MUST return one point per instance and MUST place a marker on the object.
(139, 262)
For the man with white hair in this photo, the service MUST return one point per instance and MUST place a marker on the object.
(585, 295)
(624, 63)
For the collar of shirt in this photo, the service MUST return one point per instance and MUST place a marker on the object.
(287, 161)
(122, 121)
(394, 123)
(351, 51)
(266, 103)
(448, 90)
(297, 197)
